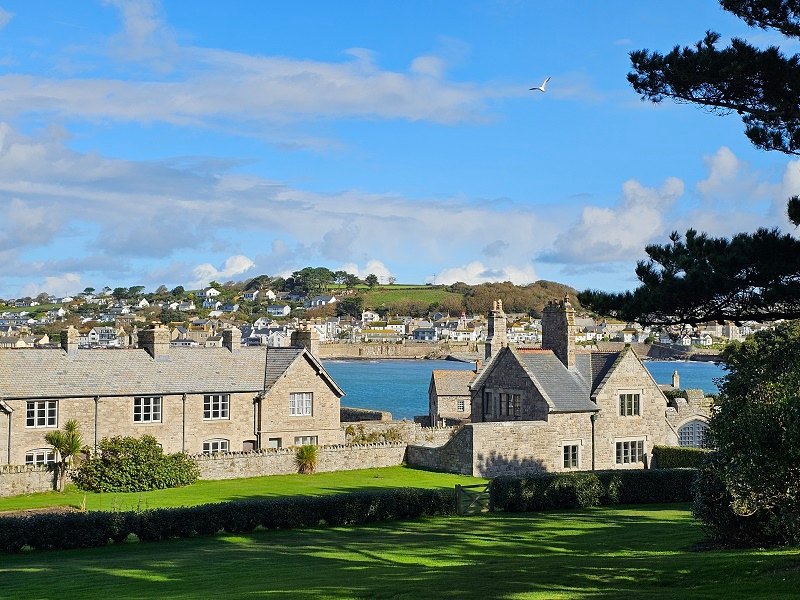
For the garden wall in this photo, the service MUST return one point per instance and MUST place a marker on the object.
(26, 479)
(234, 465)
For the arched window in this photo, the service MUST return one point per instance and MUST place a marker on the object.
(693, 434)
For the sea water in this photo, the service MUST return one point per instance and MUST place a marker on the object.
(401, 386)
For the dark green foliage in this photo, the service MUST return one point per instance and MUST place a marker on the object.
(713, 507)
(546, 491)
(752, 276)
(128, 464)
(756, 429)
(84, 530)
(711, 279)
(677, 457)
(763, 86)
(306, 459)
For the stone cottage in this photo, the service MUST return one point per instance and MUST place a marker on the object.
(559, 408)
(190, 399)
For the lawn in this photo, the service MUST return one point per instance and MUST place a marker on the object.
(599, 553)
(204, 492)
(390, 295)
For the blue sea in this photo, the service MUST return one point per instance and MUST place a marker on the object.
(401, 386)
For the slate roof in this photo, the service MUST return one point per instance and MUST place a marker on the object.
(568, 390)
(56, 374)
(451, 383)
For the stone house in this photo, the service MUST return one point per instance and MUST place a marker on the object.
(449, 396)
(190, 399)
(559, 408)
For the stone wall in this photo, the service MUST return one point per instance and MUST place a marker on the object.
(27, 479)
(455, 456)
(235, 465)
(403, 350)
(349, 414)
(409, 431)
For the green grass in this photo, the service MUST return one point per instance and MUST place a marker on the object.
(601, 553)
(204, 492)
(388, 295)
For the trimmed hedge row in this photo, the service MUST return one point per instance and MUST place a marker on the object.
(85, 530)
(677, 457)
(543, 491)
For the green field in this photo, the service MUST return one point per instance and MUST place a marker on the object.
(601, 553)
(204, 492)
(394, 294)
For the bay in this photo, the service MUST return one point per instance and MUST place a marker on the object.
(401, 386)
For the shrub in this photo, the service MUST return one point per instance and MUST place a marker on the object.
(543, 491)
(677, 457)
(714, 507)
(129, 464)
(306, 459)
(84, 530)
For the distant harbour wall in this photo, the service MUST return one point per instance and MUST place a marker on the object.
(408, 350)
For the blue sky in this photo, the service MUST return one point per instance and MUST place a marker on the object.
(174, 142)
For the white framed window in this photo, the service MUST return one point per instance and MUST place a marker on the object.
(40, 456)
(147, 409)
(215, 445)
(693, 434)
(216, 406)
(301, 404)
(629, 405)
(41, 413)
(274, 443)
(460, 405)
(305, 440)
(629, 452)
(570, 454)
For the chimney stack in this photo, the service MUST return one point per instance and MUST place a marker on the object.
(69, 340)
(558, 330)
(497, 334)
(155, 340)
(232, 339)
(306, 337)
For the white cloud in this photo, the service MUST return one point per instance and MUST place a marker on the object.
(253, 93)
(62, 285)
(5, 17)
(234, 265)
(373, 266)
(476, 272)
(621, 232)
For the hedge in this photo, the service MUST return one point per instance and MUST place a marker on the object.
(676, 457)
(54, 531)
(543, 491)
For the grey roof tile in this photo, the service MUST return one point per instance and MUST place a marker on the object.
(568, 389)
(54, 373)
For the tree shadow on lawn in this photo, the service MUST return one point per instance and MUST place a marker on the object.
(596, 553)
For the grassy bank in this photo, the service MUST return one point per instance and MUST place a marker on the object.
(628, 552)
(204, 492)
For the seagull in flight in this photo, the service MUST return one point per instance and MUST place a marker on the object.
(541, 87)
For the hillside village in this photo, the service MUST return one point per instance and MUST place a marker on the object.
(268, 317)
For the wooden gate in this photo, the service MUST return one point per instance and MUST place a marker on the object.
(473, 499)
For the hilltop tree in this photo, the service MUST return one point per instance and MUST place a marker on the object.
(371, 280)
(750, 276)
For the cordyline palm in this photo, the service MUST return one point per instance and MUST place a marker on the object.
(68, 443)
